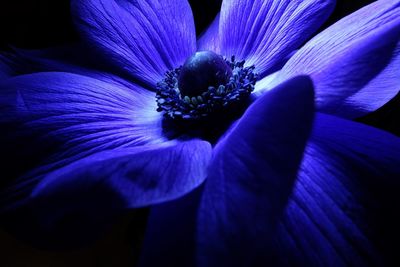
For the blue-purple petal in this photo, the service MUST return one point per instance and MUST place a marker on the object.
(252, 175)
(343, 211)
(74, 204)
(265, 32)
(53, 119)
(142, 39)
(355, 62)
(140, 176)
(121, 179)
(68, 135)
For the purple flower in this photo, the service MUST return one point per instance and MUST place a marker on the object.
(289, 183)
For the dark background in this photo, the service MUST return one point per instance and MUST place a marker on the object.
(35, 24)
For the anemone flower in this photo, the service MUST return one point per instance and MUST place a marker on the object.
(282, 180)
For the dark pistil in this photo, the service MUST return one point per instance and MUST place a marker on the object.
(202, 70)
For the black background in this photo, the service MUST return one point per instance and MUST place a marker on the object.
(37, 24)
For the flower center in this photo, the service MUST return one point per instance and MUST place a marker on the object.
(206, 84)
(202, 70)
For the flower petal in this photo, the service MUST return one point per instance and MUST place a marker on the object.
(210, 38)
(90, 192)
(265, 84)
(354, 63)
(141, 175)
(343, 211)
(252, 174)
(142, 38)
(53, 119)
(265, 32)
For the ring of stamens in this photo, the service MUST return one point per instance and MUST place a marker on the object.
(215, 99)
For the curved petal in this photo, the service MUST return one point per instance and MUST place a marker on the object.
(209, 40)
(53, 119)
(252, 174)
(354, 63)
(343, 211)
(265, 32)
(141, 175)
(142, 38)
(90, 192)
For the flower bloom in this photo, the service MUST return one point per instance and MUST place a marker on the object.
(289, 183)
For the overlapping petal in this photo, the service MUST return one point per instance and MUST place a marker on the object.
(354, 61)
(92, 190)
(142, 38)
(265, 32)
(53, 119)
(252, 174)
(72, 205)
(140, 175)
(343, 211)
(250, 177)
(87, 148)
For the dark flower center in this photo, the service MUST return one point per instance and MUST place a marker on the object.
(207, 84)
(202, 70)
